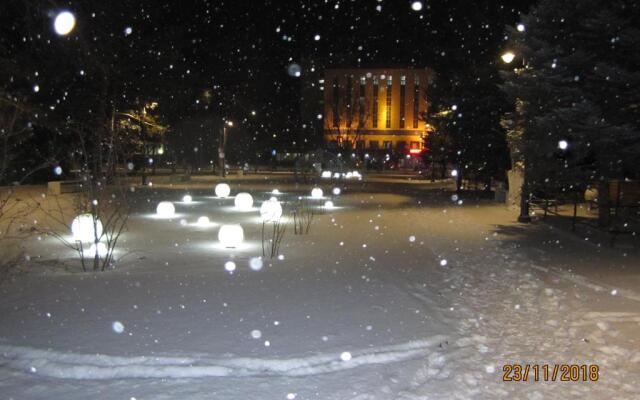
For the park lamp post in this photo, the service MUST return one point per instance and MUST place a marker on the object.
(524, 217)
(222, 146)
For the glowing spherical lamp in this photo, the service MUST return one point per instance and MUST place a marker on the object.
(82, 228)
(243, 201)
(316, 193)
(222, 190)
(326, 174)
(101, 249)
(336, 191)
(231, 236)
(328, 204)
(271, 210)
(187, 198)
(166, 209)
(204, 220)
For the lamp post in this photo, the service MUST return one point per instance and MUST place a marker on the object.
(221, 147)
(524, 217)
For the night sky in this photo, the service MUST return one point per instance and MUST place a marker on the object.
(240, 50)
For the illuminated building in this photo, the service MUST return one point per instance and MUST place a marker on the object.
(376, 110)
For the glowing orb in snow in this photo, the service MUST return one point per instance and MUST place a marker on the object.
(166, 209)
(222, 190)
(316, 193)
(276, 192)
(336, 175)
(82, 228)
(349, 175)
(255, 263)
(520, 27)
(345, 356)
(326, 174)
(57, 170)
(416, 6)
(328, 204)
(294, 70)
(412, 238)
(230, 266)
(443, 262)
(187, 198)
(64, 23)
(101, 249)
(356, 174)
(271, 210)
(231, 235)
(117, 327)
(454, 172)
(204, 220)
(336, 191)
(243, 201)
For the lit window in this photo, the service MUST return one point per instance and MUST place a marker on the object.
(403, 84)
(389, 92)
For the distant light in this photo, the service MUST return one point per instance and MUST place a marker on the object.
(316, 37)
(345, 356)
(64, 23)
(255, 263)
(294, 70)
(117, 327)
(271, 210)
(222, 190)
(454, 107)
(508, 57)
(229, 123)
(187, 198)
(127, 31)
(336, 191)
(57, 170)
(253, 112)
(231, 235)
(203, 221)
(443, 262)
(230, 266)
(319, 116)
(161, 151)
(520, 27)
(36, 88)
(316, 193)
(276, 192)
(243, 201)
(415, 151)
(563, 144)
(416, 6)
(454, 172)
(165, 209)
(326, 174)
(328, 204)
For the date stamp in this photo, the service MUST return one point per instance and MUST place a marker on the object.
(550, 372)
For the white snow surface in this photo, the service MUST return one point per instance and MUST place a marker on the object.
(415, 329)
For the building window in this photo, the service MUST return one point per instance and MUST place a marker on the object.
(387, 144)
(374, 144)
(416, 101)
(349, 100)
(401, 146)
(336, 100)
(361, 104)
(374, 110)
(389, 87)
(403, 87)
(415, 145)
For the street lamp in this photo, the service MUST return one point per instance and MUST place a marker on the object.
(524, 216)
(221, 147)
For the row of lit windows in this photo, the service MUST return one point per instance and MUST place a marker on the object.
(374, 111)
(400, 145)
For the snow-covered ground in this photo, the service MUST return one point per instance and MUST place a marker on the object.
(398, 293)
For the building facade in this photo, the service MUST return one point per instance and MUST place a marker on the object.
(376, 110)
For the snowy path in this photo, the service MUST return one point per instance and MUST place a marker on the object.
(428, 298)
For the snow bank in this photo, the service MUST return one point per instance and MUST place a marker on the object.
(61, 365)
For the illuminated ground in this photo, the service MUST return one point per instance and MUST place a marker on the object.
(428, 297)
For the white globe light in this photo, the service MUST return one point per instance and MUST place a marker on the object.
(416, 6)
(243, 201)
(336, 175)
(82, 228)
(271, 210)
(349, 175)
(316, 193)
(328, 204)
(101, 249)
(230, 266)
(454, 172)
(64, 23)
(187, 198)
(336, 191)
(276, 192)
(326, 174)
(520, 27)
(222, 190)
(231, 235)
(204, 220)
(356, 174)
(508, 57)
(165, 209)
